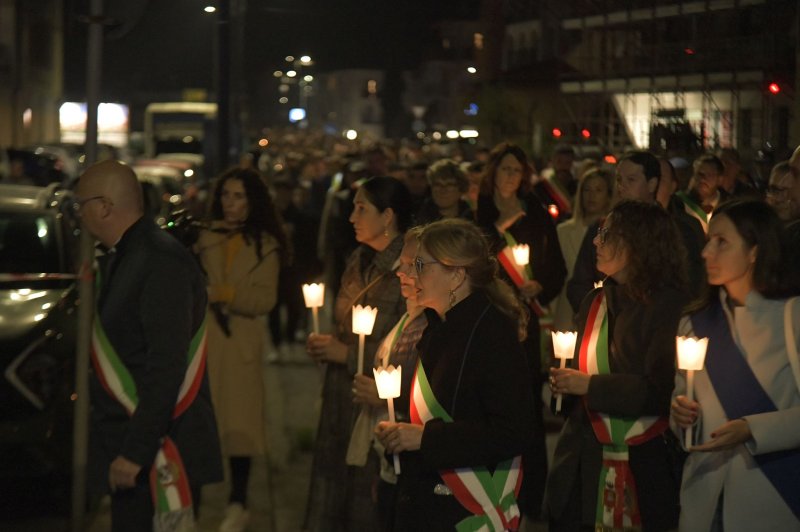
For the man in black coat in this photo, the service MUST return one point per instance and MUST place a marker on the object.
(151, 304)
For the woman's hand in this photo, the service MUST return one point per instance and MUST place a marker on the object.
(567, 380)
(365, 391)
(727, 436)
(397, 437)
(326, 348)
(530, 289)
(684, 412)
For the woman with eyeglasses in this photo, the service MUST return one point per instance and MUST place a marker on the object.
(471, 411)
(340, 495)
(612, 467)
(511, 214)
(448, 185)
(742, 472)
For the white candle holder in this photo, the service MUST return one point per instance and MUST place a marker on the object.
(363, 322)
(388, 381)
(691, 358)
(598, 284)
(522, 254)
(314, 294)
(564, 349)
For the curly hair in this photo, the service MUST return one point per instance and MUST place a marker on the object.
(262, 215)
(458, 243)
(656, 252)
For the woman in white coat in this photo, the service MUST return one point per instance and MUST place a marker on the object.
(743, 473)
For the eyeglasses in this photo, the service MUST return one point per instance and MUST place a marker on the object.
(602, 234)
(78, 204)
(419, 264)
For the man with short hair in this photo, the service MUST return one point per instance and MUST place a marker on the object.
(783, 195)
(704, 192)
(734, 180)
(638, 176)
(151, 419)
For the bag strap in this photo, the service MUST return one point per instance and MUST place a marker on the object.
(791, 343)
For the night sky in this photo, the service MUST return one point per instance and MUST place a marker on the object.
(170, 47)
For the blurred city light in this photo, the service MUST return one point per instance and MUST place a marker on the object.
(556, 132)
(209, 9)
(291, 73)
(774, 88)
(472, 70)
(452, 134)
(585, 133)
(468, 133)
(351, 134)
(296, 114)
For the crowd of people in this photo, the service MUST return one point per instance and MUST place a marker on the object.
(628, 256)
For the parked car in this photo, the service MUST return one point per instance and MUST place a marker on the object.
(38, 322)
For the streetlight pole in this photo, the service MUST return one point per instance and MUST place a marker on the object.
(223, 84)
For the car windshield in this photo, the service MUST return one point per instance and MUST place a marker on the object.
(28, 243)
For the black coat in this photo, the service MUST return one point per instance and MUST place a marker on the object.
(642, 362)
(491, 406)
(151, 303)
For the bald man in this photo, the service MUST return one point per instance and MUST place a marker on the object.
(149, 390)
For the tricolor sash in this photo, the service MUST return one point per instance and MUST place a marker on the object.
(491, 497)
(694, 210)
(518, 274)
(560, 196)
(169, 484)
(617, 500)
(740, 395)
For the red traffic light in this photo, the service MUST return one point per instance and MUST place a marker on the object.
(585, 133)
(556, 132)
(774, 88)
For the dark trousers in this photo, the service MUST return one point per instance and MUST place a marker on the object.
(132, 509)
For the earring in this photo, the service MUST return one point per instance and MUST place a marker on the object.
(452, 297)
(386, 232)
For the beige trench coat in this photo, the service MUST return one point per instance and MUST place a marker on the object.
(235, 362)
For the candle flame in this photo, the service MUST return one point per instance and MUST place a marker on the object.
(691, 352)
(522, 254)
(364, 319)
(564, 344)
(388, 381)
(314, 294)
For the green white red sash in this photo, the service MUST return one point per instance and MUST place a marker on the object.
(617, 500)
(492, 498)
(559, 195)
(518, 274)
(169, 485)
(694, 210)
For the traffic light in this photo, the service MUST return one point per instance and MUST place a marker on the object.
(557, 133)
(585, 133)
(774, 88)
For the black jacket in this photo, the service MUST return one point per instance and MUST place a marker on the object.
(151, 303)
(490, 401)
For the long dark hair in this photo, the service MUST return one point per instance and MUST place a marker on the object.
(389, 193)
(656, 253)
(758, 225)
(262, 215)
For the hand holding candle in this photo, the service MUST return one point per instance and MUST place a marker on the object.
(522, 254)
(691, 357)
(388, 382)
(563, 348)
(363, 322)
(314, 294)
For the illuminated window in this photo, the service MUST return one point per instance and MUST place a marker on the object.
(477, 40)
(372, 86)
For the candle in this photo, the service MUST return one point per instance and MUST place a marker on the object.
(314, 294)
(388, 382)
(691, 357)
(522, 254)
(363, 322)
(598, 284)
(563, 348)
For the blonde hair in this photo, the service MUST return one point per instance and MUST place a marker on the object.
(460, 244)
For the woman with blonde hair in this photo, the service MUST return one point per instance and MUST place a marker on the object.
(471, 411)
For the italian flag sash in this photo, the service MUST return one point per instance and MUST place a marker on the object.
(169, 485)
(492, 498)
(559, 195)
(617, 501)
(694, 210)
(518, 274)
